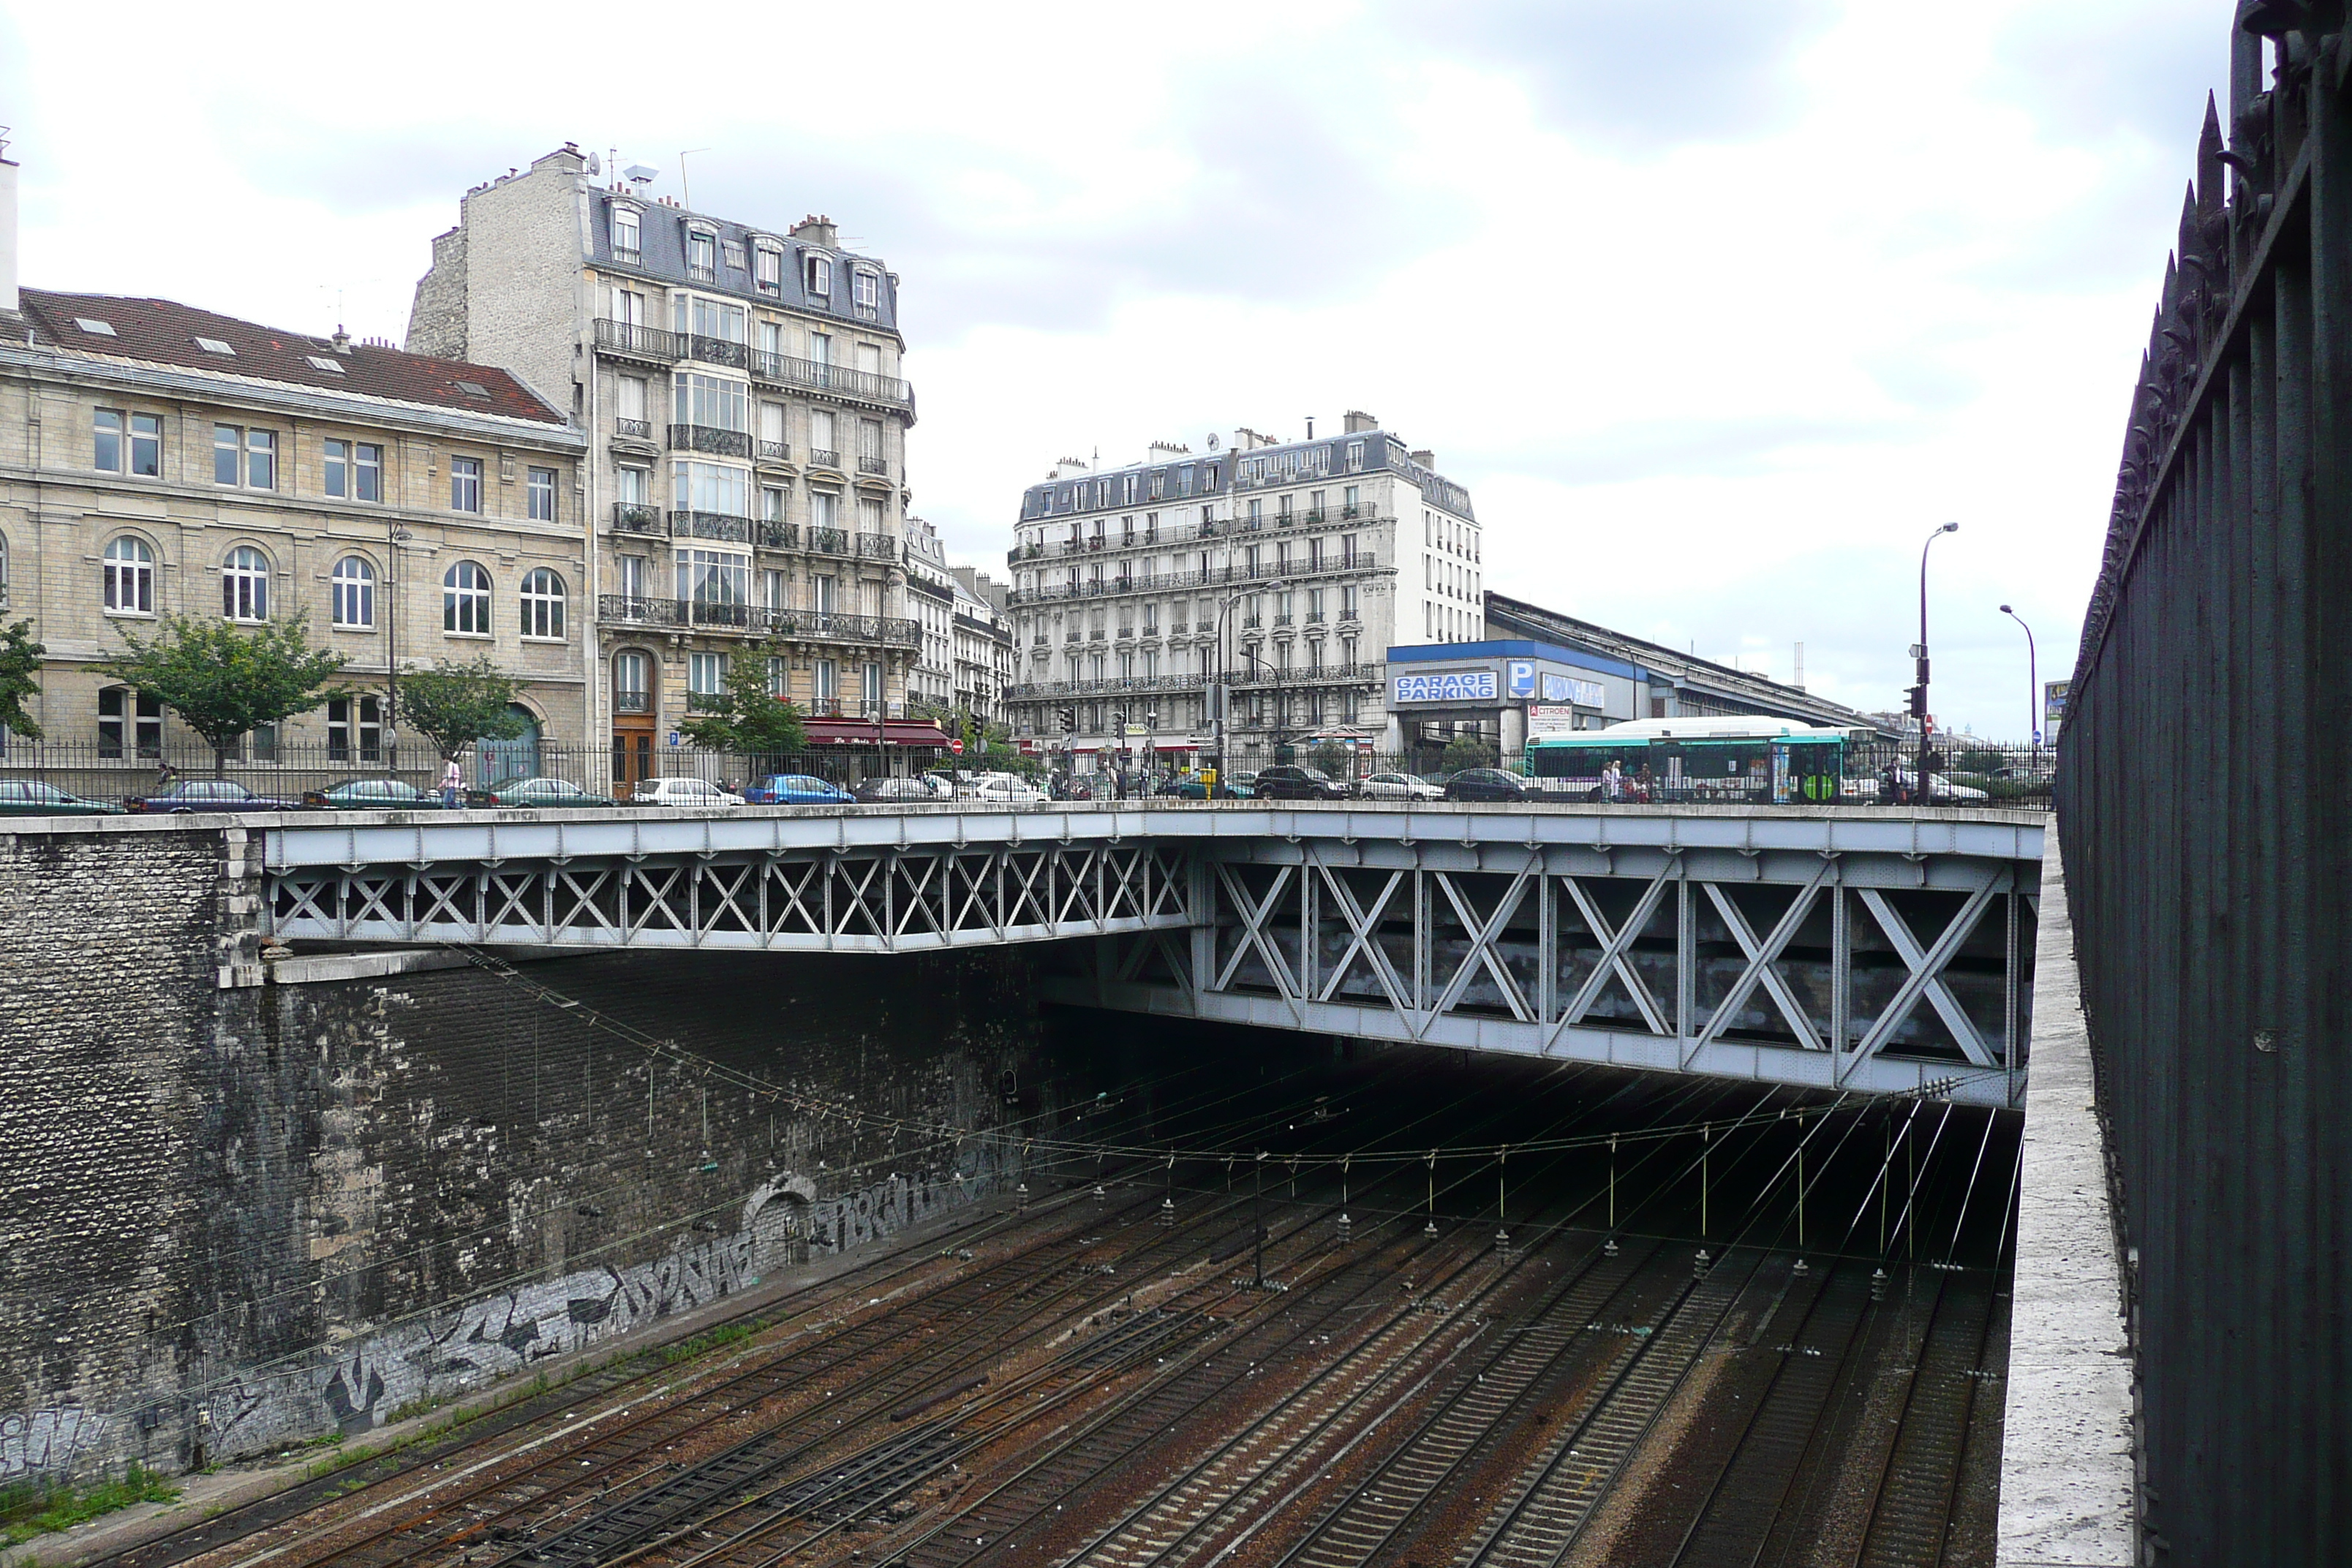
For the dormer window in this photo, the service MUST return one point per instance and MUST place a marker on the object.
(702, 255)
(865, 293)
(819, 278)
(732, 251)
(627, 244)
(768, 269)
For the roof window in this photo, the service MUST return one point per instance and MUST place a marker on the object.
(321, 362)
(215, 346)
(104, 329)
(473, 389)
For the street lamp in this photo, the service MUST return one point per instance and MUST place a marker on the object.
(2033, 687)
(1220, 688)
(1919, 653)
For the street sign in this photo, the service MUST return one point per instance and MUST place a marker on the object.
(956, 746)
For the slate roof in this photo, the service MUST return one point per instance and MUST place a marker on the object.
(163, 333)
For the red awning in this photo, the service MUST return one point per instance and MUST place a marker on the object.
(860, 733)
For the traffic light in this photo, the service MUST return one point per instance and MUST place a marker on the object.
(1069, 721)
(1118, 723)
(1918, 702)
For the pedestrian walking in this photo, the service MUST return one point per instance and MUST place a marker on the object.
(1613, 782)
(452, 782)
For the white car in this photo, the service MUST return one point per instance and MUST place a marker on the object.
(1398, 786)
(1003, 789)
(1940, 788)
(681, 792)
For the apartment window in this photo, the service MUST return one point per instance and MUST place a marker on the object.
(869, 446)
(701, 254)
(774, 443)
(771, 589)
(780, 677)
(130, 571)
(353, 593)
(818, 275)
(1347, 498)
(712, 400)
(636, 486)
(632, 692)
(731, 252)
(465, 484)
(821, 446)
(142, 453)
(711, 488)
(821, 594)
(540, 493)
(1355, 457)
(124, 714)
(865, 293)
(245, 584)
(632, 577)
(713, 576)
(771, 502)
(354, 470)
(714, 318)
(828, 679)
(1126, 489)
(542, 603)
(354, 727)
(1282, 506)
(768, 269)
(1314, 604)
(631, 411)
(1348, 603)
(1158, 483)
(824, 508)
(244, 457)
(706, 674)
(629, 307)
(872, 688)
(1257, 511)
(628, 243)
(466, 600)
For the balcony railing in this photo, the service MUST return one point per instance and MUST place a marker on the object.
(782, 370)
(770, 534)
(873, 466)
(1250, 675)
(819, 458)
(637, 429)
(1095, 635)
(696, 273)
(824, 706)
(637, 517)
(1358, 560)
(632, 702)
(710, 439)
(706, 701)
(718, 351)
(1314, 617)
(638, 341)
(895, 631)
(1283, 620)
(710, 525)
(775, 451)
(877, 547)
(831, 540)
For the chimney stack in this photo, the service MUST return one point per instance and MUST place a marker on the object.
(8, 303)
(1426, 458)
(1358, 422)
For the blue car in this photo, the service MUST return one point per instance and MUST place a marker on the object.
(796, 789)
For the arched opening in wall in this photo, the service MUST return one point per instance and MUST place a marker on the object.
(779, 1232)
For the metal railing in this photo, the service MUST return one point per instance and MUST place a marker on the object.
(718, 351)
(895, 631)
(637, 517)
(715, 525)
(638, 429)
(873, 466)
(775, 451)
(710, 439)
(637, 341)
(1173, 582)
(823, 458)
(782, 370)
(877, 547)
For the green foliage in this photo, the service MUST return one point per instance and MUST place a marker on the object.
(226, 680)
(453, 705)
(1981, 761)
(747, 719)
(1332, 758)
(1467, 751)
(31, 1509)
(20, 678)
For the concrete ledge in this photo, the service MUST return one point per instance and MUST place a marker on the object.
(2066, 1450)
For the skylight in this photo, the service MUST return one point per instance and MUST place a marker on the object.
(473, 389)
(104, 329)
(215, 346)
(321, 362)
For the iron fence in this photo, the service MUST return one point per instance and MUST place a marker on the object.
(2206, 826)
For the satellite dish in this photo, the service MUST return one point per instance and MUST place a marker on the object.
(1212, 443)
(594, 168)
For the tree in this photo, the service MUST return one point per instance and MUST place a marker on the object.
(1466, 751)
(453, 705)
(747, 718)
(20, 670)
(225, 680)
(1334, 759)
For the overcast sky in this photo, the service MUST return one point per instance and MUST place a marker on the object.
(1717, 308)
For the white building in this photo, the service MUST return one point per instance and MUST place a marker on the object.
(983, 646)
(931, 597)
(1282, 568)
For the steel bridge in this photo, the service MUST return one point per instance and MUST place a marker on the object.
(1862, 950)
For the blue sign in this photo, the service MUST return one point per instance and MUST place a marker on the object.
(1523, 678)
(1456, 685)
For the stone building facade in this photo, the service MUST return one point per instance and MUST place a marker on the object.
(742, 392)
(931, 598)
(156, 459)
(1280, 570)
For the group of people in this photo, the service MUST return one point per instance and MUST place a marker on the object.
(1616, 784)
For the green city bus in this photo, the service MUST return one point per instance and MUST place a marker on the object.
(1749, 760)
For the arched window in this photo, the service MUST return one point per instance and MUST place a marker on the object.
(245, 584)
(354, 592)
(130, 577)
(542, 603)
(466, 600)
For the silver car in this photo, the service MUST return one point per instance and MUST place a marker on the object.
(681, 792)
(1398, 786)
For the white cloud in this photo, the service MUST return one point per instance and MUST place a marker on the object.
(1717, 309)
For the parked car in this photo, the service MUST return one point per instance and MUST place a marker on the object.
(1939, 788)
(1071, 787)
(209, 794)
(888, 790)
(31, 797)
(1487, 784)
(1004, 789)
(796, 789)
(1190, 787)
(1398, 786)
(371, 795)
(1288, 782)
(681, 792)
(525, 790)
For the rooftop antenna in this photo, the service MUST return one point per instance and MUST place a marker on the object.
(684, 190)
(1311, 426)
(613, 161)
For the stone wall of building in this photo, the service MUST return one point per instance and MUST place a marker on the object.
(248, 1202)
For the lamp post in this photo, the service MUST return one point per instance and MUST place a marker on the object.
(1919, 653)
(1220, 686)
(2033, 687)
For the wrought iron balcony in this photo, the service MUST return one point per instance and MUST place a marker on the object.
(710, 525)
(873, 466)
(709, 438)
(758, 620)
(636, 430)
(1283, 620)
(1095, 635)
(628, 255)
(831, 540)
(772, 535)
(637, 517)
(706, 702)
(775, 451)
(632, 702)
(634, 340)
(1314, 617)
(864, 385)
(696, 273)
(821, 458)
(824, 706)
(718, 351)
(877, 547)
